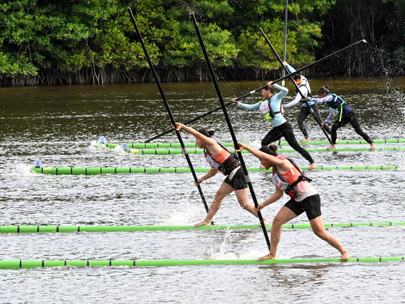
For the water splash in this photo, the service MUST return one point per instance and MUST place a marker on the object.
(94, 145)
(119, 150)
(184, 214)
(23, 170)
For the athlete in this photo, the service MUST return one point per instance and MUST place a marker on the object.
(270, 107)
(220, 159)
(338, 107)
(305, 89)
(288, 178)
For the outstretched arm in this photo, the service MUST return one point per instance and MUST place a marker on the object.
(282, 93)
(273, 198)
(190, 130)
(321, 100)
(211, 143)
(257, 153)
(246, 106)
(298, 97)
(283, 164)
(289, 67)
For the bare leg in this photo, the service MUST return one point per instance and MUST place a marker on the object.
(242, 196)
(223, 191)
(319, 230)
(282, 217)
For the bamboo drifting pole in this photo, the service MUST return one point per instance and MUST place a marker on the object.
(23, 264)
(201, 151)
(70, 229)
(229, 144)
(110, 170)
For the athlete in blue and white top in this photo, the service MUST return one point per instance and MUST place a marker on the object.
(338, 107)
(271, 108)
(305, 89)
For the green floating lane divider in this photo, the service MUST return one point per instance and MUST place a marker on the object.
(18, 264)
(96, 171)
(201, 151)
(52, 229)
(229, 144)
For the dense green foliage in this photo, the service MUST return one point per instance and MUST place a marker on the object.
(93, 41)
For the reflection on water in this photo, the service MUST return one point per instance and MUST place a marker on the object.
(57, 125)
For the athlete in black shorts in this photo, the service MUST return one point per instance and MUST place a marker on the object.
(220, 159)
(289, 179)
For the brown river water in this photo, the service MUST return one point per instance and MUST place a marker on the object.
(60, 124)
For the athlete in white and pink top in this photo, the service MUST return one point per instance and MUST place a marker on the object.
(220, 159)
(289, 179)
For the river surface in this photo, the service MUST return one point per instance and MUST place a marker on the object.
(60, 124)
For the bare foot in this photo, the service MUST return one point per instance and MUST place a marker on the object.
(345, 256)
(372, 148)
(312, 166)
(305, 140)
(269, 256)
(331, 147)
(265, 221)
(203, 223)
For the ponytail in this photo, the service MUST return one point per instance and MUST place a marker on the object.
(272, 150)
(206, 132)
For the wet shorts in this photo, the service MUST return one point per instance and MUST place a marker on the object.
(311, 205)
(238, 181)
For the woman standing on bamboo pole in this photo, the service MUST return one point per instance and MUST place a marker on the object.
(338, 107)
(220, 159)
(288, 178)
(270, 107)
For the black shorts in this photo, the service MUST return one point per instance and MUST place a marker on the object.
(311, 205)
(238, 181)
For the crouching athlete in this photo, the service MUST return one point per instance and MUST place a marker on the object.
(220, 159)
(288, 178)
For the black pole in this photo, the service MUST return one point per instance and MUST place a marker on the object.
(187, 122)
(168, 108)
(296, 86)
(301, 69)
(285, 45)
(264, 86)
(285, 35)
(235, 142)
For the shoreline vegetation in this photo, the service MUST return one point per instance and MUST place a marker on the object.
(93, 42)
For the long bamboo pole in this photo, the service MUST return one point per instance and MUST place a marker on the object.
(24, 264)
(111, 170)
(87, 228)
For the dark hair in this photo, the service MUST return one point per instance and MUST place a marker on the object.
(206, 133)
(323, 90)
(296, 76)
(271, 88)
(272, 150)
